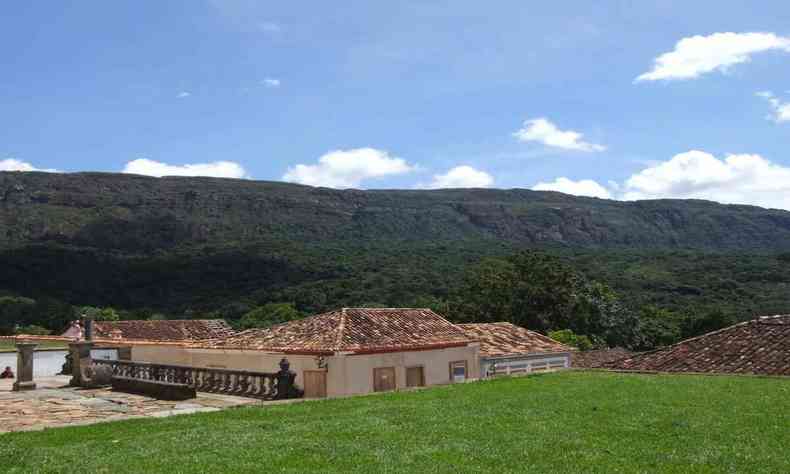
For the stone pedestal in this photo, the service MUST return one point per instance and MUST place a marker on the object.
(80, 361)
(24, 366)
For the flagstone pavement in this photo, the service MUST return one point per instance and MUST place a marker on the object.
(55, 404)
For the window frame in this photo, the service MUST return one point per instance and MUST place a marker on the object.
(394, 378)
(466, 370)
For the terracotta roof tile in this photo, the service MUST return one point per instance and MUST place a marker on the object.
(505, 339)
(352, 330)
(163, 330)
(599, 358)
(760, 346)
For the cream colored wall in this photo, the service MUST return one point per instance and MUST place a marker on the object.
(347, 374)
(356, 376)
(160, 354)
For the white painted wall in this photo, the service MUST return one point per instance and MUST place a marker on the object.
(526, 364)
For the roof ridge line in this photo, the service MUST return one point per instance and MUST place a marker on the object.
(382, 309)
(341, 329)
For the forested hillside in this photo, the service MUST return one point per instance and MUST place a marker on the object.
(188, 247)
(142, 215)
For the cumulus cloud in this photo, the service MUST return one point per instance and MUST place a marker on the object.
(698, 55)
(736, 179)
(781, 110)
(11, 164)
(271, 82)
(544, 131)
(584, 187)
(462, 177)
(217, 169)
(348, 168)
(183, 95)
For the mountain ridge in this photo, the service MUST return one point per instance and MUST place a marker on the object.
(140, 214)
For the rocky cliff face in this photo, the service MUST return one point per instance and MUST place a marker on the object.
(141, 215)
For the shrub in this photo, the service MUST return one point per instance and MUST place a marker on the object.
(569, 338)
(33, 330)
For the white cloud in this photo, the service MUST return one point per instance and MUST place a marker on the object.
(217, 169)
(584, 187)
(781, 110)
(736, 179)
(698, 55)
(271, 82)
(543, 131)
(183, 95)
(348, 168)
(462, 177)
(11, 164)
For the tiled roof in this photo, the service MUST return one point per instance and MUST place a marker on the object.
(599, 358)
(352, 330)
(505, 339)
(760, 346)
(163, 330)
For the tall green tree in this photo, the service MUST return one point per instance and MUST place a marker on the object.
(16, 311)
(540, 292)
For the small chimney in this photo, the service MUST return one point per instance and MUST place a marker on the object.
(88, 329)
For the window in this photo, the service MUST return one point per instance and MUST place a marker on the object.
(458, 371)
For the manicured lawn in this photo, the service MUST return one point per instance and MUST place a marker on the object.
(562, 422)
(10, 346)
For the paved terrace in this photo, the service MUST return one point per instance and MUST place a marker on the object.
(55, 404)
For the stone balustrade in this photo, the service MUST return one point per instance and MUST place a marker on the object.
(242, 383)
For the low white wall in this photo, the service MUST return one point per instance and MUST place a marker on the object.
(525, 364)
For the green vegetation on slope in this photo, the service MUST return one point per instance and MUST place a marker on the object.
(202, 247)
(143, 215)
(563, 422)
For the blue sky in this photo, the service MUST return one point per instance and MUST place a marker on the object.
(408, 94)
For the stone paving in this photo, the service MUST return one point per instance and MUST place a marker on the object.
(54, 404)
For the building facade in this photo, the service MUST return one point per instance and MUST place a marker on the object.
(346, 352)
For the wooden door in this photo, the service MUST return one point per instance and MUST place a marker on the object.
(315, 384)
(384, 379)
(415, 377)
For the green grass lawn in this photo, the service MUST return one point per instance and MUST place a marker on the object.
(561, 422)
(10, 346)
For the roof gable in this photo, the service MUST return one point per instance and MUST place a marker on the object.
(760, 346)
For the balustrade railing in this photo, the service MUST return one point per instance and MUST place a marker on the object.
(242, 383)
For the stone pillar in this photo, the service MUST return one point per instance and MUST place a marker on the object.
(24, 366)
(80, 361)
